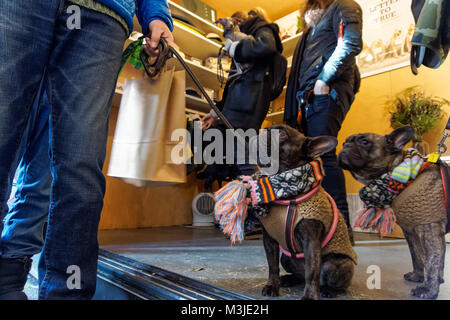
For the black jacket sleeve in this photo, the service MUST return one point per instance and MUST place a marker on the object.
(257, 47)
(350, 14)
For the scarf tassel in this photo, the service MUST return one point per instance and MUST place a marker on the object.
(231, 210)
(380, 219)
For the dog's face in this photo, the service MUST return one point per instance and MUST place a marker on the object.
(368, 155)
(397, 34)
(294, 149)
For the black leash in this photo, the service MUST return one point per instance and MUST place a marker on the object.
(166, 52)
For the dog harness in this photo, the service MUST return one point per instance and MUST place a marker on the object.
(289, 225)
(379, 194)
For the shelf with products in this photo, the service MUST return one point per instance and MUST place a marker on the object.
(190, 42)
(207, 77)
(275, 117)
(199, 22)
(194, 44)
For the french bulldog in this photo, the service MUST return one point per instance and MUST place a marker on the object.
(324, 274)
(420, 208)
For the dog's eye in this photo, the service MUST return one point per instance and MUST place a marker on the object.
(364, 142)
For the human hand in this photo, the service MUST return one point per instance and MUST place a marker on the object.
(321, 87)
(157, 29)
(207, 121)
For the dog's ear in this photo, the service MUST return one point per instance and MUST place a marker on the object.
(317, 146)
(397, 139)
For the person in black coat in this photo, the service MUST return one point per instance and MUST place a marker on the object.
(324, 79)
(246, 97)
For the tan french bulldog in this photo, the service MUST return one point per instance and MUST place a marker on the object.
(420, 209)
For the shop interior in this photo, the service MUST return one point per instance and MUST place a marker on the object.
(167, 226)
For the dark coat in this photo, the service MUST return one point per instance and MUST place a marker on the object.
(318, 56)
(245, 100)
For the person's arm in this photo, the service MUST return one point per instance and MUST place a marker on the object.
(351, 16)
(154, 17)
(150, 10)
(254, 48)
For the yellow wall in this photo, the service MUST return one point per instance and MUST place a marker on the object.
(368, 114)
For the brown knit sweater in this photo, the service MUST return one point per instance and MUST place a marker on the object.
(318, 207)
(422, 202)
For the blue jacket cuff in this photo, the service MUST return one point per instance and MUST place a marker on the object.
(147, 11)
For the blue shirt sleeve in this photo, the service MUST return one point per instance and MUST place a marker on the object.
(149, 10)
(351, 45)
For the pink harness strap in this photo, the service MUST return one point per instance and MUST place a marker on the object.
(305, 197)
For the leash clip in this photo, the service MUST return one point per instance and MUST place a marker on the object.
(442, 148)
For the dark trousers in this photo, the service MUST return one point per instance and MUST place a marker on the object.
(323, 116)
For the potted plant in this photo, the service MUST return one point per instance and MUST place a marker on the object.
(412, 107)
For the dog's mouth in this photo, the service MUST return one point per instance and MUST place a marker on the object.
(350, 161)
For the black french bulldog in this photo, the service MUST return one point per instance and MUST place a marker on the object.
(326, 275)
(419, 208)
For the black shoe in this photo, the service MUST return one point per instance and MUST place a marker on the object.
(13, 276)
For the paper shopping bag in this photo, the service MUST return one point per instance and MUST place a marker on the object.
(150, 111)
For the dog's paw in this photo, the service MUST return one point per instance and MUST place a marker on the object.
(413, 277)
(270, 290)
(290, 280)
(423, 292)
(311, 295)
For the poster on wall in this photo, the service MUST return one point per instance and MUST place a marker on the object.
(388, 26)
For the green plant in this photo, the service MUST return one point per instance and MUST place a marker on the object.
(411, 107)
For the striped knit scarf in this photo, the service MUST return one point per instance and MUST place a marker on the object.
(232, 203)
(378, 195)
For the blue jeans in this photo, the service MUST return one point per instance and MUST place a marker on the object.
(324, 117)
(23, 229)
(79, 69)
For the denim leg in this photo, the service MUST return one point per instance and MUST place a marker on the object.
(82, 73)
(23, 229)
(26, 35)
(325, 117)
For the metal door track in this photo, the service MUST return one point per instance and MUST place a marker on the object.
(121, 278)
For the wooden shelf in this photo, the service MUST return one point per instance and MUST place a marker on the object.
(193, 44)
(197, 21)
(207, 77)
(197, 104)
(190, 42)
(275, 116)
(290, 44)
